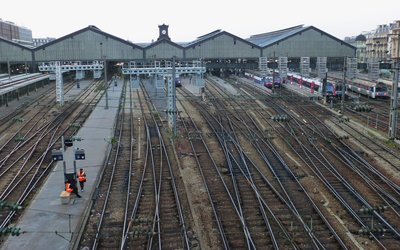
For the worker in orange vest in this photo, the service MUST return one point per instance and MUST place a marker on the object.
(71, 188)
(68, 187)
(81, 178)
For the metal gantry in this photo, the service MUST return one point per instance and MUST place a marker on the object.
(305, 66)
(351, 68)
(373, 69)
(51, 66)
(282, 65)
(169, 70)
(58, 69)
(263, 66)
(59, 84)
(321, 67)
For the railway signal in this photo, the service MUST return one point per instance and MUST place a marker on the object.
(169, 111)
(57, 155)
(79, 154)
(280, 118)
(18, 119)
(377, 208)
(363, 108)
(68, 142)
(14, 231)
(19, 138)
(367, 230)
(11, 206)
(75, 125)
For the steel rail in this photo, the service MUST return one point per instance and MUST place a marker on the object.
(28, 189)
(215, 212)
(293, 206)
(119, 129)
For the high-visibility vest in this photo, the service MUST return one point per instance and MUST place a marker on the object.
(81, 176)
(68, 188)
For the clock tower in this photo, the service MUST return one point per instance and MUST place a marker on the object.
(163, 32)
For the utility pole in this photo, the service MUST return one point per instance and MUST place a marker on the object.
(173, 97)
(273, 74)
(343, 86)
(393, 102)
(105, 73)
(106, 82)
(9, 69)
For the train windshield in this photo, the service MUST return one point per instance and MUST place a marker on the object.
(380, 87)
(329, 88)
(268, 79)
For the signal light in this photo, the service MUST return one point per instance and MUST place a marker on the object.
(280, 118)
(14, 231)
(68, 143)
(56, 155)
(79, 154)
(363, 108)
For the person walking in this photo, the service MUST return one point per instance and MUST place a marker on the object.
(82, 178)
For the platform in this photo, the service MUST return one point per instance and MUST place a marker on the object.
(303, 91)
(22, 81)
(15, 104)
(48, 223)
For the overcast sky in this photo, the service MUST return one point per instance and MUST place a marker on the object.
(138, 20)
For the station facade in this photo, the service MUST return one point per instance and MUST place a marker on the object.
(218, 49)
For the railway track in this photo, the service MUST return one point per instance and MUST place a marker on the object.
(377, 118)
(337, 181)
(226, 216)
(106, 230)
(287, 183)
(291, 133)
(28, 111)
(144, 212)
(26, 165)
(289, 233)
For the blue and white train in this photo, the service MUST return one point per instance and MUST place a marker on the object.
(266, 81)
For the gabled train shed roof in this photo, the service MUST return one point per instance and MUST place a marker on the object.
(163, 40)
(91, 28)
(214, 34)
(14, 43)
(270, 38)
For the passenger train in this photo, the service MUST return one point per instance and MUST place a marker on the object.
(389, 85)
(366, 87)
(178, 82)
(266, 81)
(333, 89)
(371, 89)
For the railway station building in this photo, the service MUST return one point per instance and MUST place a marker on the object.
(218, 49)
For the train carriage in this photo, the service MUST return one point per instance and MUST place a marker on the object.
(310, 83)
(178, 82)
(389, 85)
(333, 89)
(368, 88)
(266, 81)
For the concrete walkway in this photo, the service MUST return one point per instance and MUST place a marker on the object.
(47, 223)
